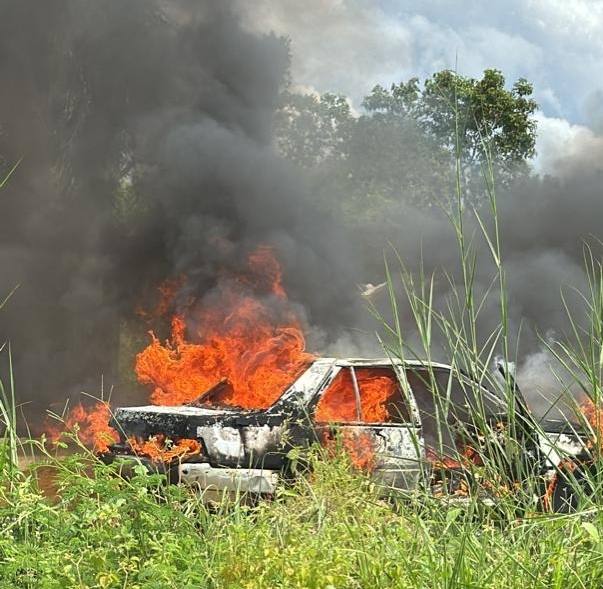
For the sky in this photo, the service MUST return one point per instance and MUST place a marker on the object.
(348, 46)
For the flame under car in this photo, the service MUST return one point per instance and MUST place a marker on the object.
(413, 425)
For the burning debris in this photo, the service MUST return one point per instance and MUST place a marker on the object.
(163, 451)
(382, 421)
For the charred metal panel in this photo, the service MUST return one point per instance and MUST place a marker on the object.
(242, 446)
(137, 422)
(399, 453)
(304, 389)
(223, 444)
(260, 440)
(150, 420)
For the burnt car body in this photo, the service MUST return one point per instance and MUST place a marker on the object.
(414, 425)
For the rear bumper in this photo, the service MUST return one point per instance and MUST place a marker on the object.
(202, 475)
(232, 480)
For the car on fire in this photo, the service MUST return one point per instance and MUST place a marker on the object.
(413, 425)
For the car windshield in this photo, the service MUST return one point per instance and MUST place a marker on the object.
(259, 391)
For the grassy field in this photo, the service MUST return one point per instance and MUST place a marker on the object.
(72, 523)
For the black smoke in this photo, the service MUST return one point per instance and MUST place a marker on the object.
(551, 252)
(143, 135)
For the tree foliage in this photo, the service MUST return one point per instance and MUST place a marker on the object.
(474, 118)
(409, 140)
(312, 128)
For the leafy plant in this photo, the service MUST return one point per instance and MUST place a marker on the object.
(8, 420)
(8, 409)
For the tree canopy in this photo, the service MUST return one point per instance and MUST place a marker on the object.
(312, 128)
(410, 140)
(476, 118)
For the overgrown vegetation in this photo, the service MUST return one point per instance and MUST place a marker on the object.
(330, 530)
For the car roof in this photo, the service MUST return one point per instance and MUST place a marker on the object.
(388, 362)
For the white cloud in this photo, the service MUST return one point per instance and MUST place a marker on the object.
(348, 46)
(577, 20)
(548, 99)
(343, 46)
(564, 148)
(469, 50)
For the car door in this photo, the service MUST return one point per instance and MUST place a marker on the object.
(466, 432)
(366, 411)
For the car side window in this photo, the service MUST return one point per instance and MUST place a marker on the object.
(447, 406)
(434, 410)
(365, 394)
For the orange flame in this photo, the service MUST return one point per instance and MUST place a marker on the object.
(167, 291)
(358, 445)
(158, 449)
(91, 424)
(375, 385)
(594, 416)
(247, 335)
(361, 448)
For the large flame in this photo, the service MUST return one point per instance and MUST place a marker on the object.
(244, 333)
(248, 335)
(91, 425)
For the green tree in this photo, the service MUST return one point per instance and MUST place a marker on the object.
(478, 120)
(363, 164)
(408, 142)
(401, 100)
(388, 159)
(310, 129)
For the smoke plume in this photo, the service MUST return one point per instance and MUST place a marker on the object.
(143, 135)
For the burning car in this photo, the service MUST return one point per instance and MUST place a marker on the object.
(413, 425)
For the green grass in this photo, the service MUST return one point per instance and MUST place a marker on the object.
(331, 529)
(9, 441)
